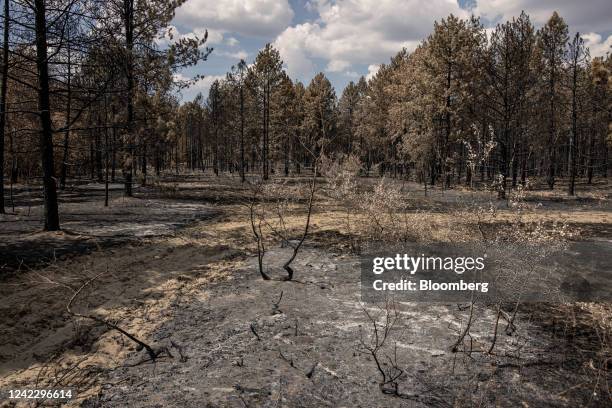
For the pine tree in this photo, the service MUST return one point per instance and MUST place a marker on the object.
(238, 77)
(507, 69)
(347, 111)
(3, 92)
(215, 111)
(320, 114)
(267, 72)
(449, 67)
(285, 121)
(552, 42)
(577, 56)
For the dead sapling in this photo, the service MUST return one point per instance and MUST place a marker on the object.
(259, 218)
(311, 198)
(256, 221)
(466, 329)
(386, 364)
(276, 305)
(254, 331)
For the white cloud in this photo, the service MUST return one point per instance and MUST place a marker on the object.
(596, 47)
(172, 34)
(372, 70)
(359, 31)
(292, 45)
(261, 18)
(582, 16)
(349, 33)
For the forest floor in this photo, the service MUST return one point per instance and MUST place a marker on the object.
(176, 266)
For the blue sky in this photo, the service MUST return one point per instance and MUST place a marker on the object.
(349, 38)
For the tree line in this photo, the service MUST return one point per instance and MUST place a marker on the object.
(467, 106)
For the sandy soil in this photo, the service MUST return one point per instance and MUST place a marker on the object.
(192, 288)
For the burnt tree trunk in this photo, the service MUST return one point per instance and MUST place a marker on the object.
(128, 21)
(64, 170)
(3, 89)
(51, 214)
(574, 132)
(242, 175)
(98, 150)
(114, 145)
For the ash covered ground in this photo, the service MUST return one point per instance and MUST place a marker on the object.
(180, 272)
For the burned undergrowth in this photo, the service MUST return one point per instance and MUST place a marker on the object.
(235, 339)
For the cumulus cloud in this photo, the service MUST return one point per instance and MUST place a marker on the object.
(594, 15)
(359, 31)
(372, 70)
(173, 34)
(339, 35)
(261, 18)
(292, 47)
(597, 47)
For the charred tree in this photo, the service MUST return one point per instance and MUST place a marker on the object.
(51, 215)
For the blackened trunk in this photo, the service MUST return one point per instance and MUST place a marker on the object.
(515, 163)
(591, 165)
(265, 134)
(99, 151)
(446, 155)
(92, 160)
(216, 157)
(574, 134)
(503, 167)
(3, 89)
(524, 159)
(128, 16)
(144, 164)
(552, 152)
(114, 146)
(242, 176)
(51, 214)
(64, 171)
